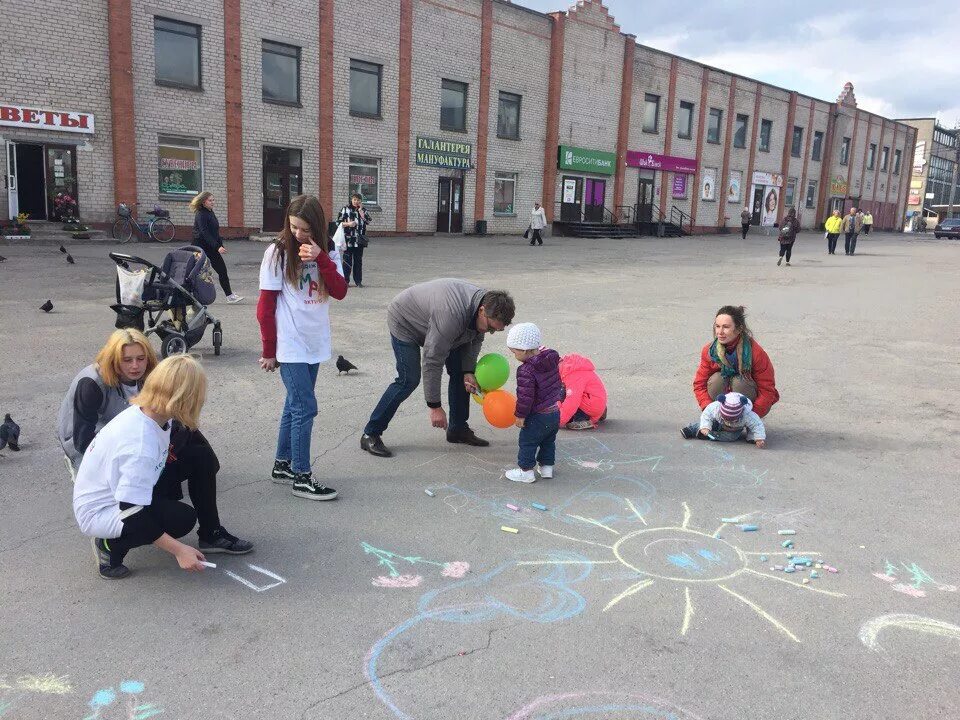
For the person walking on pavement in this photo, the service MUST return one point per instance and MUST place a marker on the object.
(538, 221)
(448, 319)
(833, 225)
(354, 218)
(745, 217)
(206, 234)
(789, 227)
(867, 222)
(852, 224)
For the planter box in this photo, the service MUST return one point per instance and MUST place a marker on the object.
(81, 236)
(16, 237)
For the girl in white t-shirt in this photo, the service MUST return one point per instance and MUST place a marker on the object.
(114, 498)
(298, 276)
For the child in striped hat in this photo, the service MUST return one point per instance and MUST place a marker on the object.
(727, 419)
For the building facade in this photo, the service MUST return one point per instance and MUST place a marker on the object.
(446, 116)
(934, 179)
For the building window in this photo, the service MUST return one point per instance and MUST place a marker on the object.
(845, 151)
(176, 53)
(365, 89)
(740, 136)
(790, 194)
(766, 128)
(180, 167)
(504, 192)
(685, 121)
(508, 116)
(817, 145)
(884, 158)
(871, 156)
(453, 105)
(796, 147)
(811, 193)
(365, 178)
(651, 112)
(281, 73)
(713, 129)
(896, 162)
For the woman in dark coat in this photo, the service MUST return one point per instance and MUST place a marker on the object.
(206, 234)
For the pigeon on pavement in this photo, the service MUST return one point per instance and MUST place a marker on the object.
(47, 306)
(63, 250)
(70, 259)
(344, 365)
(10, 433)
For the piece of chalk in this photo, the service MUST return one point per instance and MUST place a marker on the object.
(729, 520)
(712, 437)
(818, 566)
(208, 564)
(763, 558)
(772, 568)
(814, 574)
(538, 506)
(778, 567)
(832, 569)
(749, 528)
(806, 581)
(430, 492)
(509, 529)
(787, 544)
(799, 560)
(789, 570)
(786, 532)
(512, 507)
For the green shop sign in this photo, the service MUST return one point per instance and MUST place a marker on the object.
(443, 153)
(591, 161)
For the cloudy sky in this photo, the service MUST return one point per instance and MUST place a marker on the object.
(900, 56)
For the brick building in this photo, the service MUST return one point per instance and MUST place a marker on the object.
(442, 114)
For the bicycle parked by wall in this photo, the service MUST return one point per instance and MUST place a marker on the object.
(158, 227)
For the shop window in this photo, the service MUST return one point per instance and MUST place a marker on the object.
(713, 129)
(896, 162)
(871, 156)
(884, 158)
(651, 112)
(685, 121)
(281, 73)
(811, 193)
(766, 129)
(817, 146)
(845, 151)
(508, 116)
(365, 178)
(740, 136)
(453, 105)
(176, 53)
(791, 192)
(365, 81)
(504, 193)
(180, 167)
(796, 146)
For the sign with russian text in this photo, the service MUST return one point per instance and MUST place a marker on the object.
(667, 163)
(679, 185)
(434, 152)
(62, 120)
(584, 160)
(765, 178)
(838, 186)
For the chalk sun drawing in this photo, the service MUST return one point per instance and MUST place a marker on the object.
(870, 630)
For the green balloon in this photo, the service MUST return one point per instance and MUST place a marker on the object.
(492, 371)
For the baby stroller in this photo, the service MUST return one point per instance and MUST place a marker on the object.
(173, 297)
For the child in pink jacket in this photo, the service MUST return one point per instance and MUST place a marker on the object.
(585, 404)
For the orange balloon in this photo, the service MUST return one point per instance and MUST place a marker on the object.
(499, 407)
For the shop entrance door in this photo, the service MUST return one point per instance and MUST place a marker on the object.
(62, 200)
(593, 200)
(572, 199)
(836, 205)
(757, 206)
(27, 191)
(645, 200)
(282, 180)
(450, 205)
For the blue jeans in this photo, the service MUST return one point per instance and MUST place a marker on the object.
(719, 434)
(538, 439)
(408, 378)
(299, 410)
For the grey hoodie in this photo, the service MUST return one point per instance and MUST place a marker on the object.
(439, 316)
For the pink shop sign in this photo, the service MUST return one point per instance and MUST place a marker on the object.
(668, 163)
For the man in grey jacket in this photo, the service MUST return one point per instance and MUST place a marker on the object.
(448, 319)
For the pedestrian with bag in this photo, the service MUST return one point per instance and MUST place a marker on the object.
(852, 225)
(833, 225)
(745, 217)
(789, 227)
(206, 235)
(538, 221)
(354, 220)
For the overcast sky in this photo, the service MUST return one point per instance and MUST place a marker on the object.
(900, 56)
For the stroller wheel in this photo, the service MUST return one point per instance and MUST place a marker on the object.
(173, 344)
(217, 339)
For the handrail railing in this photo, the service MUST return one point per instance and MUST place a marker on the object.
(678, 216)
(607, 215)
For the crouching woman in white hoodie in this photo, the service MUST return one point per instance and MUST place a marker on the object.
(114, 497)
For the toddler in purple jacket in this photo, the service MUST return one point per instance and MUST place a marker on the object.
(539, 392)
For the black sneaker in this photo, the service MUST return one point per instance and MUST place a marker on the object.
(224, 542)
(373, 444)
(687, 433)
(467, 437)
(306, 486)
(105, 561)
(282, 472)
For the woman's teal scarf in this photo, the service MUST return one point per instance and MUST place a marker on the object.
(718, 353)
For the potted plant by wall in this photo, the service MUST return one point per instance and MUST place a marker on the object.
(18, 230)
(65, 208)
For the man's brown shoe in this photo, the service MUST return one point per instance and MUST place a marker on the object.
(467, 437)
(374, 445)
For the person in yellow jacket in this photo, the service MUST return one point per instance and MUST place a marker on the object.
(833, 225)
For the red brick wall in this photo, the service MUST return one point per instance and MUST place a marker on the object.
(553, 115)
(121, 102)
(483, 109)
(623, 129)
(233, 99)
(403, 113)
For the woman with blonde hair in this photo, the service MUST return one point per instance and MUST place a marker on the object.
(206, 234)
(102, 391)
(298, 276)
(117, 500)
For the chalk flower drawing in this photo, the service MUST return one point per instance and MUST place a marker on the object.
(919, 578)
(394, 579)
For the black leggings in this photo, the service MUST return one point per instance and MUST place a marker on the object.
(353, 260)
(537, 237)
(146, 525)
(832, 242)
(216, 260)
(197, 463)
(744, 227)
(785, 249)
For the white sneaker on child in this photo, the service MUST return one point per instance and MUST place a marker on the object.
(233, 298)
(546, 472)
(521, 475)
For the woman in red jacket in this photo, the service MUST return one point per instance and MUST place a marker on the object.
(735, 362)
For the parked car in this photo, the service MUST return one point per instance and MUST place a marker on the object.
(949, 228)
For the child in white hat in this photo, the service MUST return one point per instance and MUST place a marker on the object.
(727, 419)
(539, 392)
